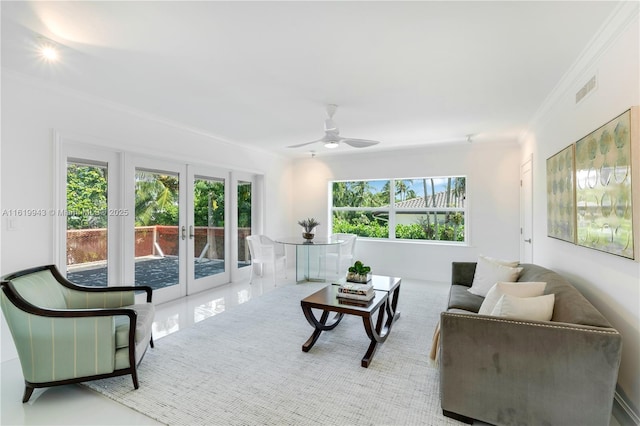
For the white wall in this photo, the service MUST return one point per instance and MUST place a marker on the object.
(30, 110)
(610, 282)
(492, 172)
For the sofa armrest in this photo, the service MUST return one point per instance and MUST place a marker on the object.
(103, 297)
(87, 297)
(504, 371)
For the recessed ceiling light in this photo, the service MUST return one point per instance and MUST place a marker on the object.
(48, 49)
(49, 53)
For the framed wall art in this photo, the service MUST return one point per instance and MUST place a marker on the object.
(604, 179)
(561, 216)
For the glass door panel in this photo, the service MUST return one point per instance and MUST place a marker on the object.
(87, 223)
(207, 234)
(157, 229)
(207, 231)
(207, 247)
(244, 222)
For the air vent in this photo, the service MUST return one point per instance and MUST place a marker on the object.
(586, 89)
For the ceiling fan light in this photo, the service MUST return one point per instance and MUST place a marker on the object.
(331, 144)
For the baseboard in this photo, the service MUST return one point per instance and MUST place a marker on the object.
(623, 411)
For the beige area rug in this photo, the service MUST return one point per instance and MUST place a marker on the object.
(246, 367)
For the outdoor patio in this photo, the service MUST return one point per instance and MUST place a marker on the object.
(157, 272)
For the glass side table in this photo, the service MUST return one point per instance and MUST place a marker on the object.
(308, 254)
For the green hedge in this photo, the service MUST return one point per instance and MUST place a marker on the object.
(407, 232)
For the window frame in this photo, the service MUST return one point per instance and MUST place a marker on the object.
(394, 211)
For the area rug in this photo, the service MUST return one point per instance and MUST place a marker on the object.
(246, 367)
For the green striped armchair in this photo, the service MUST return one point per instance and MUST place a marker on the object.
(65, 333)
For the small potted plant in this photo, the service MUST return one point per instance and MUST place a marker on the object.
(309, 226)
(359, 273)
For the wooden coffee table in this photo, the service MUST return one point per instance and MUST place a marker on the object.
(392, 286)
(327, 301)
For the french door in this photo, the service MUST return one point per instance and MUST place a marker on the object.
(127, 219)
(176, 237)
(207, 237)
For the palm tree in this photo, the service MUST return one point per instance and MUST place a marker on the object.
(156, 199)
(459, 187)
(361, 193)
(448, 200)
(340, 197)
(402, 188)
(433, 204)
(424, 190)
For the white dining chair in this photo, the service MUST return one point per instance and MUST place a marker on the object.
(264, 250)
(338, 258)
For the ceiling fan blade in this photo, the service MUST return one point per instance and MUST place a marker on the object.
(359, 143)
(303, 144)
(332, 138)
(330, 126)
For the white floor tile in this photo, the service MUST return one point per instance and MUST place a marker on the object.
(77, 405)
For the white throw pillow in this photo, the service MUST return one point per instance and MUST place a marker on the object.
(488, 273)
(525, 308)
(518, 289)
(509, 263)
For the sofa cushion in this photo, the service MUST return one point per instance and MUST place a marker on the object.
(460, 298)
(144, 322)
(488, 273)
(40, 289)
(509, 263)
(525, 308)
(518, 289)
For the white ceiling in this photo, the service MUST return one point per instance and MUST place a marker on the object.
(261, 73)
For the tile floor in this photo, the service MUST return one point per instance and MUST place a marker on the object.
(77, 405)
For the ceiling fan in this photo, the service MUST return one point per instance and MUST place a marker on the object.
(332, 138)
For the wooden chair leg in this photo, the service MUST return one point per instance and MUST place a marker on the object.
(28, 390)
(134, 376)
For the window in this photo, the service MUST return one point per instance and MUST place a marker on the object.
(86, 213)
(427, 208)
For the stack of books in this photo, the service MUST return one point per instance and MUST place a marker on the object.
(353, 291)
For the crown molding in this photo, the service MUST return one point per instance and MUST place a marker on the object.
(626, 13)
(122, 108)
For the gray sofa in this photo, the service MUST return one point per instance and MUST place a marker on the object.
(514, 372)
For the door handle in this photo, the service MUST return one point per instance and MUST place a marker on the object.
(184, 232)
(191, 234)
(528, 241)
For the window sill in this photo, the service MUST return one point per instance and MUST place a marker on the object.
(418, 242)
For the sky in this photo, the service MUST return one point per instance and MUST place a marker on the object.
(415, 184)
